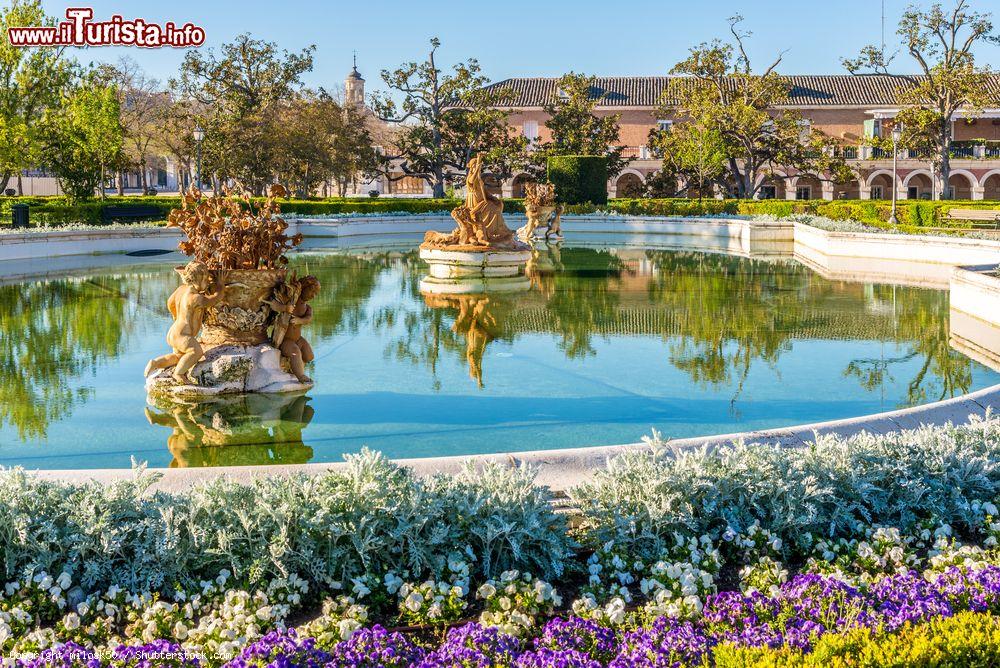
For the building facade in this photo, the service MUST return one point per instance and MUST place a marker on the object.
(845, 107)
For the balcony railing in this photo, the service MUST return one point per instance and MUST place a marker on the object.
(638, 153)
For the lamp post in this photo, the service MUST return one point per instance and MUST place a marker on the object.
(199, 134)
(897, 134)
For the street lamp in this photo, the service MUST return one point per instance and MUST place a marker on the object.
(897, 134)
(199, 134)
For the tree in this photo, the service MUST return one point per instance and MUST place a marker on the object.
(692, 154)
(445, 119)
(718, 89)
(31, 82)
(574, 127)
(239, 89)
(353, 149)
(174, 136)
(142, 105)
(942, 43)
(320, 140)
(83, 136)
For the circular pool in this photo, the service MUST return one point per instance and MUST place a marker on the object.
(610, 342)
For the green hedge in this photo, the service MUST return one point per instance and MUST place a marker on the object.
(579, 179)
(911, 214)
(967, 640)
(61, 211)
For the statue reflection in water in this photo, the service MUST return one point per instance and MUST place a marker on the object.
(479, 321)
(545, 263)
(237, 430)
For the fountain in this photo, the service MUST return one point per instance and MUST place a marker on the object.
(543, 213)
(481, 254)
(238, 314)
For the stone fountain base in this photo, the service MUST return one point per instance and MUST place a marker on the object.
(230, 369)
(470, 271)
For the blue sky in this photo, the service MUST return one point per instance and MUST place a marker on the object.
(518, 37)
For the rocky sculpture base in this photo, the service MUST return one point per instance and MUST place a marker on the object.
(230, 369)
(470, 271)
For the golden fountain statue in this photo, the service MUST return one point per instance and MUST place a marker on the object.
(543, 213)
(480, 250)
(237, 315)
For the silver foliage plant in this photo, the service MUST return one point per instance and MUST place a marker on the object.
(373, 516)
(833, 487)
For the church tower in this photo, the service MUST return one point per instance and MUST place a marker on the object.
(354, 87)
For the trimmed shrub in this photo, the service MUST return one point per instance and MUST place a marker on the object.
(824, 490)
(579, 179)
(967, 640)
(371, 516)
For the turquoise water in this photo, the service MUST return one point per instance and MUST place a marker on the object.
(609, 343)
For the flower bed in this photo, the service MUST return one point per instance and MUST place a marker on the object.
(750, 555)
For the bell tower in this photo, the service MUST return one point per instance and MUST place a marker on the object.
(354, 86)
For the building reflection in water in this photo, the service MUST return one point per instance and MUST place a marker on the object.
(236, 430)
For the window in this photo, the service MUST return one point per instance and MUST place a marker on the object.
(530, 130)
(664, 125)
(877, 192)
(768, 192)
(912, 192)
(803, 192)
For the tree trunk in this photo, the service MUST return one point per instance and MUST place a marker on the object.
(20, 185)
(944, 169)
(4, 180)
(741, 186)
(121, 182)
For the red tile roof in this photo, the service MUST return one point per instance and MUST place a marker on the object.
(827, 90)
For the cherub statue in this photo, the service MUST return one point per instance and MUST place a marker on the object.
(541, 209)
(199, 289)
(290, 304)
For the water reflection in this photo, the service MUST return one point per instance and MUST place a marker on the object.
(478, 319)
(726, 338)
(236, 430)
(53, 336)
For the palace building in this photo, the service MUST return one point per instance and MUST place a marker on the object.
(846, 107)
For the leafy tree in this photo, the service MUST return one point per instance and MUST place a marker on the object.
(174, 136)
(143, 106)
(692, 154)
(445, 119)
(240, 88)
(575, 128)
(31, 82)
(941, 42)
(720, 90)
(83, 136)
(353, 152)
(321, 140)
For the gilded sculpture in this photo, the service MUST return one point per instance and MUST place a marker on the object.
(542, 211)
(290, 304)
(199, 290)
(237, 315)
(480, 220)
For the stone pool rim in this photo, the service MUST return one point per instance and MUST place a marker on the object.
(915, 259)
